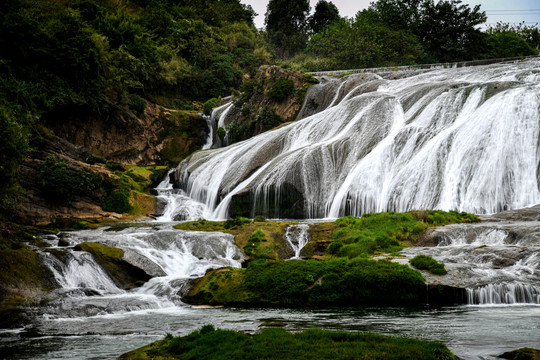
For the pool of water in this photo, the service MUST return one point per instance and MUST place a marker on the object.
(471, 332)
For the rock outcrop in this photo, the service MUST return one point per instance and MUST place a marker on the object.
(273, 97)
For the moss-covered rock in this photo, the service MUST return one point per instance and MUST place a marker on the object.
(311, 283)
(208, 343)
(522, 354)
(22, 282)
(272, 245)
(125, 275)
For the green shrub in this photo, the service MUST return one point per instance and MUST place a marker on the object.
(252, 248)
(257, 236)
(268, 118)
(117, 201)
(259, 218)
(424, 262)
(95, 159)
(60, 183)
(281, 90)
(220, 132)
(209, 105)
(137, 104)
(115, 166)
(236, 222)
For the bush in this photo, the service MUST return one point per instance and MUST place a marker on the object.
(259, 218)
(115, 166)
(137, 104)
(268, 118)
(220, 132)
(60, 183)
(95, 159)
(236, 222)
(424, 262)
(209, 105)
(117, 201)
(281, 90)
(213, 344)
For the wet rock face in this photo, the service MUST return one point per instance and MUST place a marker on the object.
(290, 203)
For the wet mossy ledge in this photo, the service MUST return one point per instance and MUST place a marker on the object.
(338, 269)
(211, 344)
(298, 283)
(124, 274)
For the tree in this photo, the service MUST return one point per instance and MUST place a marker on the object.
(360, 43)
(447, 29)
(325, 14)
(285, 22)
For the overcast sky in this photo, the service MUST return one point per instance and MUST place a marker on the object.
(514, 11)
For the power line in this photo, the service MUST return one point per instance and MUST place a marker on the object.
(514, 10)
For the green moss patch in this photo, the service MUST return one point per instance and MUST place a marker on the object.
(522, 354)
(276, 343)
(387, 232)
(317, 283)
(425, 262)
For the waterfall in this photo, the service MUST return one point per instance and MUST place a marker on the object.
(495, 262)
(494, 294)
(297, 236)
(464, 139)
(177, 205)
(171, 257)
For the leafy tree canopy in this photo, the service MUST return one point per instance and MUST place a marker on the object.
(286, 24)
(325, 14)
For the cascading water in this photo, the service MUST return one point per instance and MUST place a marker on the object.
(171, 257)
(297, 236)
(176, 204)
(453, 139)
(496, 262)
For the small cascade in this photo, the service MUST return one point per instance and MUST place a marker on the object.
(495, 262)
(172, 257)
(497, 294)
(297, 236)
(79, 270)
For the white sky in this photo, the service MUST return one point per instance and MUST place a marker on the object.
(514, 11)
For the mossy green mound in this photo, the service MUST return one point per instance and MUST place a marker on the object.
(311, 283)
(522, 354)
(424, 262)
(211, 344)
(387, 232)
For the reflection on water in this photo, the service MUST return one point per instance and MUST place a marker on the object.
(471, 332)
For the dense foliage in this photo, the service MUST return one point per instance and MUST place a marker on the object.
(209, 343)
(104, 56)
(396, 32)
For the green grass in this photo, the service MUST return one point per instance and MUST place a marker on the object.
(425, 262)
(311, 283)
(211, 344)
(387, 232)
